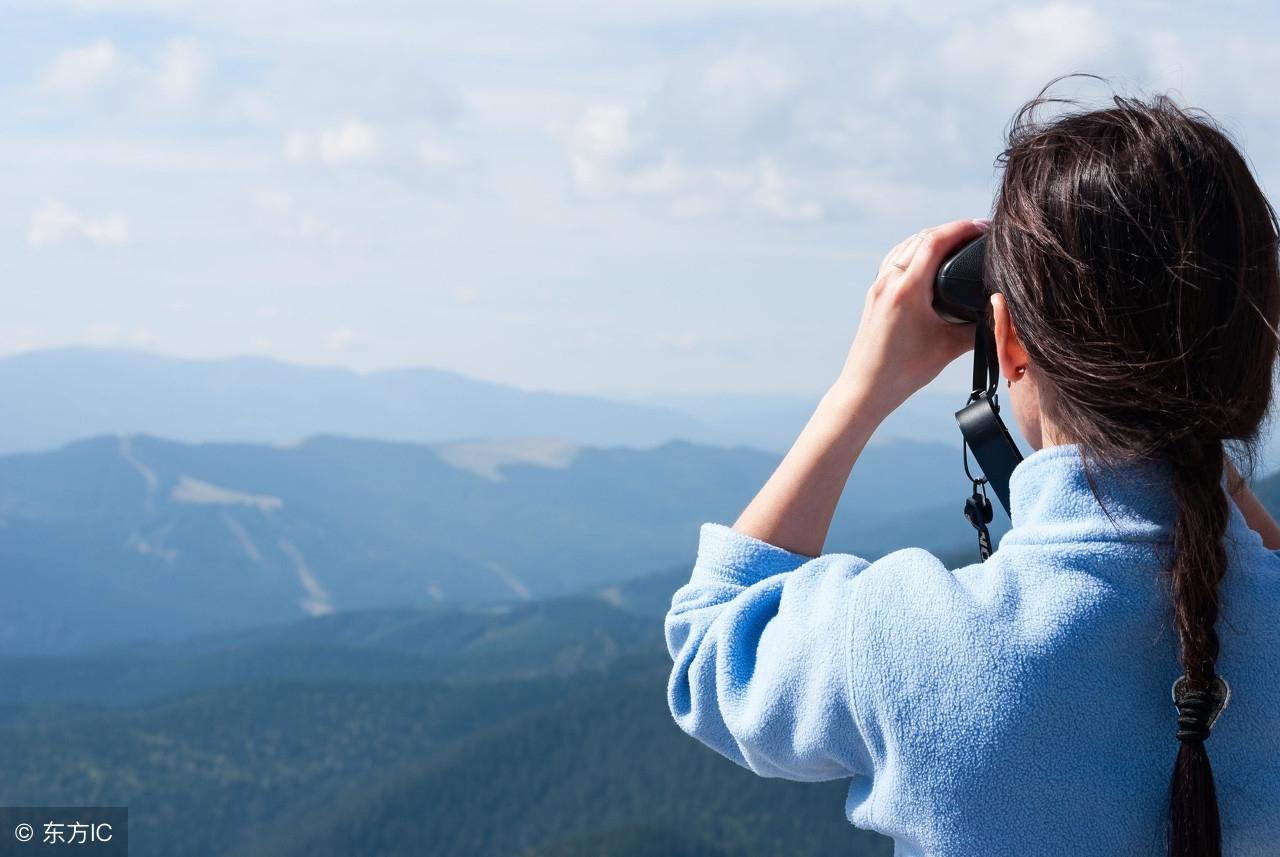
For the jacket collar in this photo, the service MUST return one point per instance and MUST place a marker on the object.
(1051, 501)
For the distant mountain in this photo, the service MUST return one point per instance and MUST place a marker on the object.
(54, 397)
(57, 396)
(112, 540)
(773, 422)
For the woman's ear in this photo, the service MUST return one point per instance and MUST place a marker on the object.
(1009, 351)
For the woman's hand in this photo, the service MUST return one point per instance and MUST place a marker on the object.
(901, 343)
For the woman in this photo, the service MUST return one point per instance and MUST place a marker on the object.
(1023, 705)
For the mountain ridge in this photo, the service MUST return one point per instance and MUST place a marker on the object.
(58, 395)
(110, 536)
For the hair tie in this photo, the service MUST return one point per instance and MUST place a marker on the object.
(1199, 708)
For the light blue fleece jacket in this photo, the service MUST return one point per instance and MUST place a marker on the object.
(1018, 706)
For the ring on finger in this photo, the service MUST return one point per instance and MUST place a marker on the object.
(908, 251)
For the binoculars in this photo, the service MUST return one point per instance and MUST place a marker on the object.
(960, 295)
(959, 291)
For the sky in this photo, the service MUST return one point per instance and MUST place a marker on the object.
(625, 199)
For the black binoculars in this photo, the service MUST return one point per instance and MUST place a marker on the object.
(959, 291)
(961, 296)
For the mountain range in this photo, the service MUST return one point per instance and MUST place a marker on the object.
(278, 610)
(57, 396)
(113, 540)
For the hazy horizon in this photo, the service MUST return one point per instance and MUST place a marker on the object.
(332, 364)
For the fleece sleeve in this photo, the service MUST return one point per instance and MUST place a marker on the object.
(759, 641)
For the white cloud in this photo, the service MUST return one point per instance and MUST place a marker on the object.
(280, 206)
(341, 339)
(605, 159)
(741, 93)
(253, 107)
(103, 332)
(79, 71)
(777, 196)
(110, 231)
(115, 333)
(438, 155)
(297, 147)
(749, 125)
(180, 71)
(596, 144)
(686, 340)
(746, 128)
(310, 225)
(1022, 51)
(22, 337)
(350, 142)
(53, 223)
(273, 200)
(174, 78)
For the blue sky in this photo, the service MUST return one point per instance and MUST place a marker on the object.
(628, 199)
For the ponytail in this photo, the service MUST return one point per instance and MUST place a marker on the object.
(1198, 565)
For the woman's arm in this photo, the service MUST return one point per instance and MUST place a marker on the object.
(1255, 514)
(900, 346)
(759, 636)
(759, 644)
(794, 508)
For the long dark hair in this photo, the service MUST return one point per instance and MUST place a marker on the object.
(1138, 259)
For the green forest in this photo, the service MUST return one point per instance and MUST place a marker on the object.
(540, 730)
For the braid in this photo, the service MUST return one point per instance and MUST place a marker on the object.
(1199, 563)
